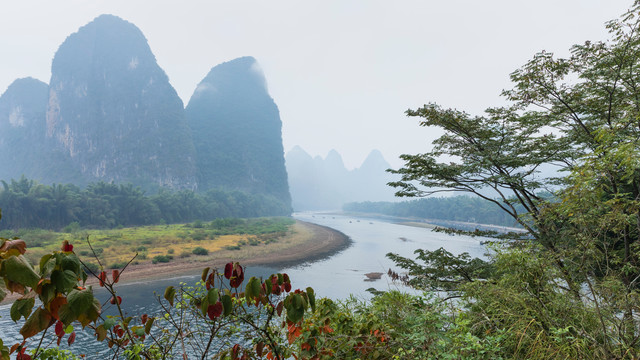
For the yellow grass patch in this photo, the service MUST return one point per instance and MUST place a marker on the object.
(117, 247)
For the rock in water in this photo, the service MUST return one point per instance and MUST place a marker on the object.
(237, 131)
(113, 112)
(373, 276)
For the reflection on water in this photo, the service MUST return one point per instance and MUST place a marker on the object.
(336, 277)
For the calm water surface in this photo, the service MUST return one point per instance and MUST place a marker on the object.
(336, 277)
(343, 274)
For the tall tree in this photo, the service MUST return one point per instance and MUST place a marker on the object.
(579, 114)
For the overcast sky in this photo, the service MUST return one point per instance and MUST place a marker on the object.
(342, 72)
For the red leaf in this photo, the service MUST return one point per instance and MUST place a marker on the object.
(56, 304)
(22, 356)
(118, 330)
(102, 277)
(72, 338)
(294, 332)
(113, 300)
(259, 348)
(144, 318)
(237, 276)
(228, 270)
(235, 351)
(59, 329)
(210, 281)
(66, 247)
(287, 287)
(214, 311)
(116, 275)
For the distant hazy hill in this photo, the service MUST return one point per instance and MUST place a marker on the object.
(236, 130)
(22, 128)
(113, 112)
(110, 114)
(325, 184)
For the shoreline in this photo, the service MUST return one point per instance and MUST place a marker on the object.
(433, 223)
(304, 243)
(309, 242)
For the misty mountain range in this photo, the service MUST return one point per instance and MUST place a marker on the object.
(318, 183)
(109, 113)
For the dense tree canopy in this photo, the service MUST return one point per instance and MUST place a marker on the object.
(30, 204)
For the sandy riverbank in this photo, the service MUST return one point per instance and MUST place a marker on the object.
(304, 242)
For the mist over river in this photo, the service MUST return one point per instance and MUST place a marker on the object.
(336, 276)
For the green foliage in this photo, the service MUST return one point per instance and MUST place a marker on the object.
(571, 290)
(442, 271)
(200, 251)
(55, 285)
(103, 205)
(577, 114)
(72, 227)
(56, 354)
(120, 265)
(250, 226)
(161, 259)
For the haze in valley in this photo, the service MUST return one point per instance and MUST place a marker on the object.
(342, 73)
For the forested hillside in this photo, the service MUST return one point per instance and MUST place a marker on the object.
(236, 129)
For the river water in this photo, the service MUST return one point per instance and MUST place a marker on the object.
(336, 277)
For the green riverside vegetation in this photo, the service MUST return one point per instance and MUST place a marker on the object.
(156, 243)
(458, 208)
(29, 204)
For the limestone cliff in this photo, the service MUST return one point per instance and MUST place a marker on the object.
(236, 130)
(112, 111)
(23, 146)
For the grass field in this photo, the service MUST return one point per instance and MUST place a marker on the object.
(157, 243)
